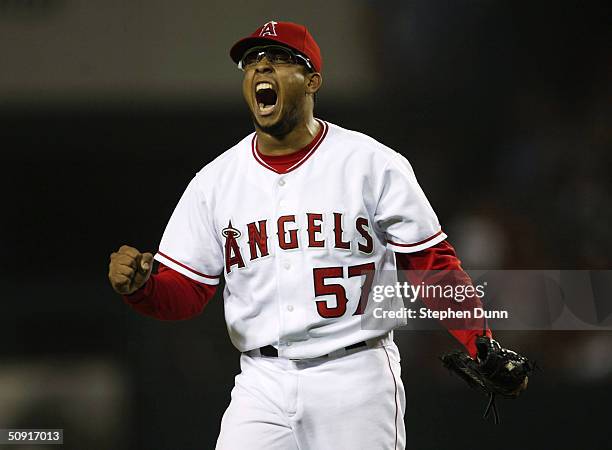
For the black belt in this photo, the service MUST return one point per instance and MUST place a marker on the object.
(271, 351)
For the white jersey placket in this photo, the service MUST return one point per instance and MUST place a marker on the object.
(282, 264)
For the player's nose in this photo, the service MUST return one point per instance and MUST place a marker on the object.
(263, 65)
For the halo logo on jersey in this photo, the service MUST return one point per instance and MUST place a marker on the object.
(269, 29)
(232, 250)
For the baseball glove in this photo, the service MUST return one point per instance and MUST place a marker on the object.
(497, 371)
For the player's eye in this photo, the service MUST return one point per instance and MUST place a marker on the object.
(279, 55)
(252, 57)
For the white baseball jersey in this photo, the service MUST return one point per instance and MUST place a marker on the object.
(294, 247)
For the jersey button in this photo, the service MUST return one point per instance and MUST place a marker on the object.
(289, 308)
(288, 344)
(287, 265)
(281, 182)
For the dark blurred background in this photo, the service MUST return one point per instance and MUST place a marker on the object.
(108, 109)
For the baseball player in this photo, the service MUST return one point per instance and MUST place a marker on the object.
(294, 217)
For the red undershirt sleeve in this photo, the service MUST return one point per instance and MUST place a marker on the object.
(170, 295)
(439, 265)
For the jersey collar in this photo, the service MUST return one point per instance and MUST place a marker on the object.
(286, 163)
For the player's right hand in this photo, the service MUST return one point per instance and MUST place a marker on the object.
(129, 269)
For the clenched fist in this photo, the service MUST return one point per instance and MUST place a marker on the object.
(129, 269)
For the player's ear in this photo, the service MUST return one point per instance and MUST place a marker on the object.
(313, 82)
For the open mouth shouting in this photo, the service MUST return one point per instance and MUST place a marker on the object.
(265, 97)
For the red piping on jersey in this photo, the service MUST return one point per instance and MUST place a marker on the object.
(416, 243)
(189, 268)
(395, 396)
(309, 149)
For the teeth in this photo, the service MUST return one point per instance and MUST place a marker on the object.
(262, 85)
(264, 108)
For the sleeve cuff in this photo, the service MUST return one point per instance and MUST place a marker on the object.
(186, 270)
(401, 247)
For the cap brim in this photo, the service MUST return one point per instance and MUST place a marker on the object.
(240, 47)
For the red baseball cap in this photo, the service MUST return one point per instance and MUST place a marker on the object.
(288, 34)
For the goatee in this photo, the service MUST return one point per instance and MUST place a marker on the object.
(283, 127)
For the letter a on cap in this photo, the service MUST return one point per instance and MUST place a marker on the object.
(268, 29)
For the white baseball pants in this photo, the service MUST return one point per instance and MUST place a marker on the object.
(351, 402)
